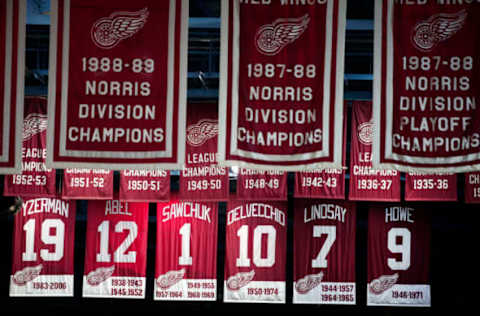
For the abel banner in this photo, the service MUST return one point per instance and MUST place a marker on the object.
(87, 184)
(366, 183)
(426, 75)
(144, 185)
(116, 249)
(118, 84)
(472, 187)
(12, 70)
(398, 256)
(36, 179)
(324, 252)
(430, 187)
(261, 185)
(281, 87)
(255, 252)
(186, 260)
(43, 242)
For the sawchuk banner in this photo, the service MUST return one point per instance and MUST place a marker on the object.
(261, 185)
(144, 185)
(281, 87)
(87, 184)
(425, 87)
(430, 187)
(117, 85)
(472, 187)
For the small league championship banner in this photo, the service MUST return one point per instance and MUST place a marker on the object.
(255, 252)
(281, 92)
(430, 187)
(425, 88)
(261, 185)
(117, 92)
(472, 187)
(144, 185)
(43, 243)
(186, 255)
(88, 184)
(116, 249)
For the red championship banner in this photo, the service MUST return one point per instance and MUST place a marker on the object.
(43, 243)
(87, 184)
(116, 249)
(186, 261)
(425, 87)
(202, 179)
(255, 252)
(281, 93)
(430, 187)
(472, 187)
(323, 184)
(117, 92)
(367, 183)
(144, 185)
(12, 69)
(36, 179)
(261, 185)
(324, 252)
(398, 256)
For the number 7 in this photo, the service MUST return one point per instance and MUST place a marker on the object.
(331, 231)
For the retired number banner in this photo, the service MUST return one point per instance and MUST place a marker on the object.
(426, 75)
(88, 184)
(472, 187)
(430, 187)
(43, 242)
(12, 55)
(281, 88)
(116, 249)
(255, 252)
(186, 260)
(261, 185)
(398, 256)
(324, 252)
(118, 84)
(144, 185)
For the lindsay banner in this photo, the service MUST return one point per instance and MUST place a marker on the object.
(87, 184)
(186, 260)
(12, 56)
(324, 252)
(398, 256)
(116, 249)
(144, 185)
(281, 92)
(472, 187)
(118, 84)
(36, 179)
(261, 185)
(430, 187)
(43, 244)
(255, 252)
(426, 75)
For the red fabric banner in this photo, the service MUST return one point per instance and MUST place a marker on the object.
(261, 185)
(472, 187)
(398, 256)
(36, 179)
(426, 86)
(255, 252)
(430, 187)
(87, 184)
(43, 243)
(118, 92)
(322, 184)
(367, 183)
(186, 255)
(324, 252)
(281, 100)
(144, 185)
(116, 249)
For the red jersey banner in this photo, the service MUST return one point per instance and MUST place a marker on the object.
(12, 70)
(281, 88)
(324, 252)
(87, 184)
(398, 256)
(186, 260)
(144, 185)
(255, 252)
(36, 179)
(43, 243)
(430, 187)
(366, 183)
(118, 84)
(261, 185)
(116, 249)
(426, 85)
(472, 187)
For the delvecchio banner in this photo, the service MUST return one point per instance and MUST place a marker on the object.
(426, 85)
(281, 87)
(118, 84)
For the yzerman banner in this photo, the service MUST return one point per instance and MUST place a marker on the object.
(43, 244)
(425, 86)
(324, 252)
(118, 84)
(281, 88)
(116, 249)
(255, 250)
(186, 260)
(398, 256)
(261, 185)
(12, 70)
(144, 185)
(472, 187)
(430, 187)
(87, 184)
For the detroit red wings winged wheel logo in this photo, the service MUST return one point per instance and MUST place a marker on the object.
(170, 278)
(239, 280)
(383, 283)
(309, 282)
(198, 134)
(26, 275)
(99, 275)
(33, 124)
(108, 32)
(365, 132)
